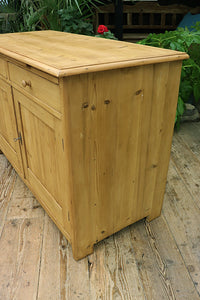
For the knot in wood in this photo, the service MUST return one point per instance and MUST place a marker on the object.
(138, 92)
(85, 105)
(107, 102)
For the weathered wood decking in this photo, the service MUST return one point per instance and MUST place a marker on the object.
(156, 260)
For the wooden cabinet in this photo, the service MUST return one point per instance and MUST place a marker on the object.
(88, 123)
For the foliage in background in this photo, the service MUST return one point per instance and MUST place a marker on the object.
(63, 15)
(9, 6)
(72, 21)
(71, 16)
(9, 16)
(196, 27)
(189, 42)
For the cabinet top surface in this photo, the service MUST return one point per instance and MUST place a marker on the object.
(62, 54)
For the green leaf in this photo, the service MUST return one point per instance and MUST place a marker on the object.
(173, 46)
(180, 107)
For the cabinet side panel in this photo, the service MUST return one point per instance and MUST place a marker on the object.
(160, 79)
(109, 115)
(165, 96)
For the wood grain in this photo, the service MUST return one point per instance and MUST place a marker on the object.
(164, 132)
(105, 138)
(188, 164)
(42, 176)
(184, 213)
(75, 54)
(8, 127)
(20, 258)
(126, 283)
(24, 207)
(145, 252)
(3, 68)
(93, 148)
(51, 287)
(39, 86)
(156, 260)
(7, 181)
(172, 268)
(113, 149)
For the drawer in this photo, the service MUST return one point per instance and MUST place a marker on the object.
(3, 67)
(37, 86)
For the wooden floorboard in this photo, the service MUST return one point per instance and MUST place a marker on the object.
(147, 260)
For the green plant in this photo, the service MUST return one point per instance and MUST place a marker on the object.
(179, 111)
(64, 15)
(186, 41)
(83, 5)
(9, 17)
(71, 20)
(196, 26)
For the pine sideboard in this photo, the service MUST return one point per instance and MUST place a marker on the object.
(87, 123)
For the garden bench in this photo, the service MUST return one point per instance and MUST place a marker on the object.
(143, 17)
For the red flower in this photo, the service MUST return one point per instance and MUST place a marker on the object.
(102, 29)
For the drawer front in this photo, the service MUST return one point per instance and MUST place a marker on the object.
(37, 86)
(3, 68)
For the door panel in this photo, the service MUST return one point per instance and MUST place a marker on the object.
(40, 153)
(8, 127)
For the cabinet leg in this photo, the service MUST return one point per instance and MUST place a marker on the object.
(158, 198)
(154, 214)
(156, 205)
(79, 253)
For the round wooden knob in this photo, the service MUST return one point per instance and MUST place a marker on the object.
(26, 83)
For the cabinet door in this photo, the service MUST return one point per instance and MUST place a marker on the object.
(9, 135)
(41, 148)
